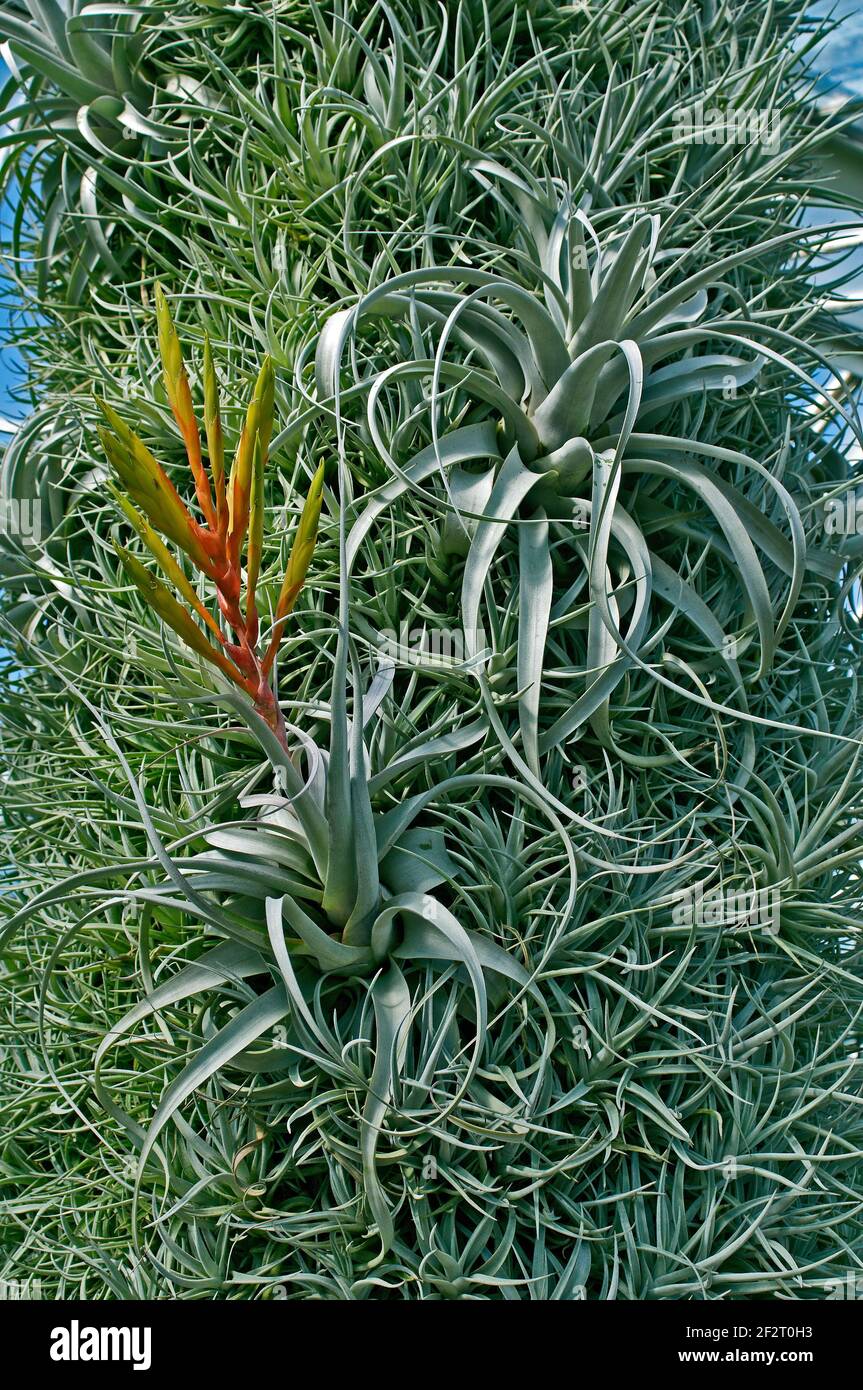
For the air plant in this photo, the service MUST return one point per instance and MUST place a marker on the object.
(378, 987)
(358, 898)
(232, 526)
(573, 389)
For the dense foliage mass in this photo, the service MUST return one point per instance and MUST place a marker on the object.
(518, 956)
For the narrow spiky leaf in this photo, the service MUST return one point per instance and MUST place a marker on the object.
(165, 559)
(180, 401)
(148, 483)
(298, 563)
(163, 603)
(266, 391)
(256, 540)
(240, 482)
(259, 419)
(215, 441)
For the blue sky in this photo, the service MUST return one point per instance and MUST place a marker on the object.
(10, 364)
(842, 58)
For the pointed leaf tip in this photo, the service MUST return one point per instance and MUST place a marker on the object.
(302, 550)
(180, 400)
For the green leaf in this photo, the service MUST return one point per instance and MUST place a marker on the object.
(392, 1005)
(534, 607)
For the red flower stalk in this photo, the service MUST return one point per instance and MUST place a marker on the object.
(232, 525)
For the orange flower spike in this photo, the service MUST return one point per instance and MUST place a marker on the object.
(180, 401)
(256, 540)
(300, 558)
(215, 441)
(259, 421)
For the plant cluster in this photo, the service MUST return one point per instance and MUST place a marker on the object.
(362, 972)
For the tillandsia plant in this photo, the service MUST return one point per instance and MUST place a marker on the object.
(506, 942)
(359, 895)
(574, 389)
(232, 526)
